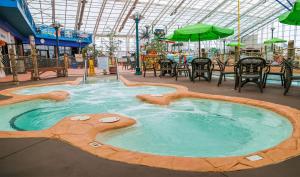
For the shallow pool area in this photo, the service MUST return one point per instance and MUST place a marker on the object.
(200, 128)
(104, 95)
(186, 127)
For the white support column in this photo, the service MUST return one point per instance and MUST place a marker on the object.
(295, 36)
(129, 43)
(282, 32)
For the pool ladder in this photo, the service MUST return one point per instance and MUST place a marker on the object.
(117, 69)
(85, 74)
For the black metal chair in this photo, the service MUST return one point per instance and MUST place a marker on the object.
(250, 69)
(166, 67)
(201, 67)
(132, 63)
(224, 69)
(277, 70)
(289, 75)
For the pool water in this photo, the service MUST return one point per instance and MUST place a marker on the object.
(186, 127)
(103, 96)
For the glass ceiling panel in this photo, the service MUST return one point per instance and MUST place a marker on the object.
(165, 14)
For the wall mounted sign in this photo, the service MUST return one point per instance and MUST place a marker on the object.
(102, 63)
(78, 57)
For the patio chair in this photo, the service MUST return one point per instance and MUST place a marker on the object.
(201, 67)
(182, 67)
(166, 67)
(149, 64)
(126, 63)
(250, 69)
(132, 63)
(224, 69)
(276, 70)
(289, 75)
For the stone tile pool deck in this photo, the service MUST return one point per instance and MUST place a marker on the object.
(291, 149)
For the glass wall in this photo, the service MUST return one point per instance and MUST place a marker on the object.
(286, 32)
(123, 44)
(49, 49)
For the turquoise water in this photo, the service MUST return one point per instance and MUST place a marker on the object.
(187, 127)
(98, 97)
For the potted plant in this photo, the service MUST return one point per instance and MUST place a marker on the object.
(112, 47)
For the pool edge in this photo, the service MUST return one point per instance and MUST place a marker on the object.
(55, 95)
(285, 150)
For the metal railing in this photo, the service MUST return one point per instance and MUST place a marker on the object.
(45, 31)
(43, 62)
(6, 64)
(117, 69)
(85, 73)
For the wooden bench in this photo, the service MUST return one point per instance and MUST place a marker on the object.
(60, 71)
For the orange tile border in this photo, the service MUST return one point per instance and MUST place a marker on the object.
(81, 133)
(56, 95)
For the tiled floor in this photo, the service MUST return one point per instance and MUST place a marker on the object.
(50, 158)
(272, 93)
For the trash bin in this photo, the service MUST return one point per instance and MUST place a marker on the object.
(74, 65)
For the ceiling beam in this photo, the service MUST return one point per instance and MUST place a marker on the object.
(178, 15)
(99, 17)
(66, 15)
(166, 8)
(262, 22)
(88, 15)
(177, 7)
(128, 15)
(53, 11)
(145, 9)
(201, 10)
(213, 11)
(39, 11)
(107, 28)
(77, 14)
(82, 8)
(42, 18)
(124, 9)
(246, 12)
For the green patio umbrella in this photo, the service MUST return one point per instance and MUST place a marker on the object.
(235, 44)
(202, 32)
(275, 40)
(176, 38)
(179, 38)
(292, 17)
